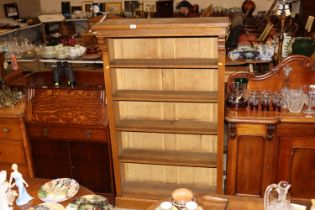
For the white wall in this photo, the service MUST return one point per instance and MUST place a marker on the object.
(50, 6)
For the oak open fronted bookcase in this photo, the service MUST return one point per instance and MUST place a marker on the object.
(164, 83)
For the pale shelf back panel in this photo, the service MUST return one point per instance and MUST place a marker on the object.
(166, 79)
(164, 48)
(167, 111)
(205, 177)
(170, 142)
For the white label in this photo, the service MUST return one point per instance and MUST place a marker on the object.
(133, 26)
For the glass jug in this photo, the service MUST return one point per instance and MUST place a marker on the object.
(236, 98)
(282, 202)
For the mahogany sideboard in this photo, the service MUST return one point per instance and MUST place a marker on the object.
(68, 130)
(266, 147)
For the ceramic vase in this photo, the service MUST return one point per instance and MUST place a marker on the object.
(266, 52)
(248, 6)
(303, 46)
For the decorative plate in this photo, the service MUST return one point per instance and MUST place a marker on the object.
(89, 202)
(47, 206)
(58, 190)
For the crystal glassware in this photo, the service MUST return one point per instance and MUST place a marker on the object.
(285, 86)
(282, 202)
(310, 91)
(277, 101)
(265, 101)
(295, 100)
(253, 100)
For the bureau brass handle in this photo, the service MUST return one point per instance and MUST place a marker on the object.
(5, 130)
(88, 134)
(45, 131)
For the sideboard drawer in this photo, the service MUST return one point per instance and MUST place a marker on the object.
(10, 129)
(12, 152)
(99, 134)
(293, 129)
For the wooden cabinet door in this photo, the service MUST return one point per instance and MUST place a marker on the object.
(51, 158)
(296, 164)
(251, 164)
(91, 165)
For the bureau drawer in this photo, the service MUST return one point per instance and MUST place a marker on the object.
(12, 152)
(294, 129)
(10, 129)
(69, 133)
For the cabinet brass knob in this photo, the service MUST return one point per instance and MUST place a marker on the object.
(5, 130)
(45, 131)
(88, 134)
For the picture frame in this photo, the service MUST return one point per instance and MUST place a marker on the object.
(87, 8)
(76, 8)
(101, 5)
(131, 5)
(149, 7)
(11, 10)
(113, 7)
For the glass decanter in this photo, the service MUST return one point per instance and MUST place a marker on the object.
(285, 86)
(282, 202)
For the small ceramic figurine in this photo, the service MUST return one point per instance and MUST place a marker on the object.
(23, 196)
(4, 188)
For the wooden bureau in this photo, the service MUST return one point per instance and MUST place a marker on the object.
(68, 130)
(14, 144)
(266, 147)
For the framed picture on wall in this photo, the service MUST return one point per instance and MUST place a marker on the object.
(131, 6)
(11, 10)
(76, 8)
(113, 7)
(101, 5)
(149, 7)
(87, 8)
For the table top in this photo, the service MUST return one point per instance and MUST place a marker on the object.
(36, 183)
(229, 62)
(267, 117)
(16, 111)
(210, 202)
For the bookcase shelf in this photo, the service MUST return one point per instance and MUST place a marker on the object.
(179, 158)
(168, 126)
(181, 63)
(166, 96)
(161, 190)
